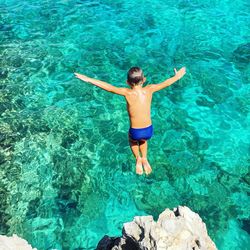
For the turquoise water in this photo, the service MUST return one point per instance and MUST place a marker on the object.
(67, 174)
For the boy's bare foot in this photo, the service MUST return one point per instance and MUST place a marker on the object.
(146, 166)
(139, 169)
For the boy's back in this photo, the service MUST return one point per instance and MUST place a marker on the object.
(139, 106)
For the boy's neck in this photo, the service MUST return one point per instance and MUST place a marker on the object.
(137, 86)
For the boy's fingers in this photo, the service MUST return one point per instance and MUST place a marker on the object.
(175, 71)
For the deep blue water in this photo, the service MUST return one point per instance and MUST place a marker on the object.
(67, 175)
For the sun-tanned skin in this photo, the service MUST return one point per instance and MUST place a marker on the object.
(138, 100)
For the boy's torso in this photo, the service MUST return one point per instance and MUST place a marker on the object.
(139, 107)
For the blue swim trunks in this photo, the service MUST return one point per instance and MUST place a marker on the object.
(138, 134)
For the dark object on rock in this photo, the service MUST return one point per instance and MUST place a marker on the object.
(125, 243)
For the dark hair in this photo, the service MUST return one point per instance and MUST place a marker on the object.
(135, 75)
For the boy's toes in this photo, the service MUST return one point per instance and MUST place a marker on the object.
(148, 170)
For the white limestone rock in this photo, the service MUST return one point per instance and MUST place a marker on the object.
(180, 229)
(14, 243)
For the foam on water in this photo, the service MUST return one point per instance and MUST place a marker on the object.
(67, 175)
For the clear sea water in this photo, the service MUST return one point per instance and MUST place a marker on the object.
(67, 174)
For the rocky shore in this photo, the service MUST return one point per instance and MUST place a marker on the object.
(180, 229)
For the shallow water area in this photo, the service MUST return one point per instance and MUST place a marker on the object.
(67, 175)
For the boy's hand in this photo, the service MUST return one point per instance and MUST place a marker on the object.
(179, 74)
(82, 77)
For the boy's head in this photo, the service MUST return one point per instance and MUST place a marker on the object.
(135, 76)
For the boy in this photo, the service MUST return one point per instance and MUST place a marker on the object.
(138, 105)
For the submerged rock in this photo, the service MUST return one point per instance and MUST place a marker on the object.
(241, 55)
(180, 229)
(14, 243)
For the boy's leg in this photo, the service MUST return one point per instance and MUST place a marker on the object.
(143, 145)
(135, 149)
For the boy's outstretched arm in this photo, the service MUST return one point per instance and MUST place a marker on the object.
(106, 86)
(178, 75)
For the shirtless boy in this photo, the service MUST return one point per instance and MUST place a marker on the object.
(138, 100)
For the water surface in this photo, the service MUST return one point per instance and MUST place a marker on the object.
(67, 175)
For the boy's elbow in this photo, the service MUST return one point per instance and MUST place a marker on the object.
(109, 89)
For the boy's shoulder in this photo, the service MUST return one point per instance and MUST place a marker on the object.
(129, 91)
